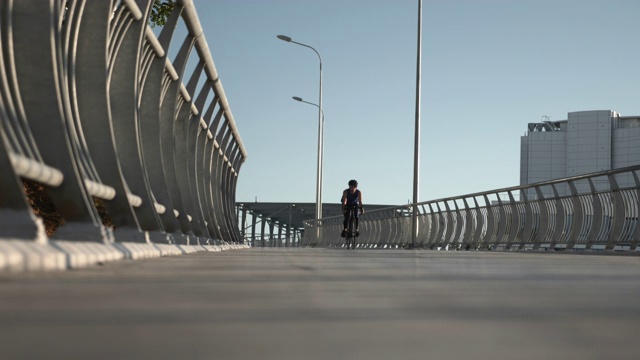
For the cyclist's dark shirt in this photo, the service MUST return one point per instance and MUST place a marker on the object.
(352, 199)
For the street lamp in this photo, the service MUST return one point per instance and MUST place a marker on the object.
(297, 98)
(320, 130)
(321, 145)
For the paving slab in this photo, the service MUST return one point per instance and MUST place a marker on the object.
(328, 304)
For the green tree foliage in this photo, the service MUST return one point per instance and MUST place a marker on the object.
(160, 12)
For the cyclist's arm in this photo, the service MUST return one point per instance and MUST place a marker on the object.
(344, 199)
(360, 201)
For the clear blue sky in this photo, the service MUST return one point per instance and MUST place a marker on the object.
(489, 67)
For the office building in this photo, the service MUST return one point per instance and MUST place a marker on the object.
(587, 142)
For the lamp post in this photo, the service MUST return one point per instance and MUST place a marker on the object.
(416, 151)
(297, 98)
(320, 149)
(320, 130)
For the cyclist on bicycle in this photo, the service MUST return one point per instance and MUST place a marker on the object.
(351, 197)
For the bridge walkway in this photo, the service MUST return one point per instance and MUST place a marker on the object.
(284, 303)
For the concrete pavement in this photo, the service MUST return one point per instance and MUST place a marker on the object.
(328, 303)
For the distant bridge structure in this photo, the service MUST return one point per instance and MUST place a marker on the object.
(281, 224)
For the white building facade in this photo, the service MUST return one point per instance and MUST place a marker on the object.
(587, 142)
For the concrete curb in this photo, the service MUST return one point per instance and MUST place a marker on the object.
(136, 251)
(212, 248)
(84, 254)
(190, 249)
(52, 255)
(168, 249)
(19, 255)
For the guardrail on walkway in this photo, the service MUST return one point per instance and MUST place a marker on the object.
(92, 108)
(595, 214)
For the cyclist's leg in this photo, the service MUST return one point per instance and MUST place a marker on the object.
(345, 222)
(352, 228)
(355, 215)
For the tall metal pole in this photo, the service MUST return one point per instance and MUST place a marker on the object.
(416, 152)
(297, 98)
(320, 131)
(320, 148)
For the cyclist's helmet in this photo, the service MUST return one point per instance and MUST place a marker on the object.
(353, 183)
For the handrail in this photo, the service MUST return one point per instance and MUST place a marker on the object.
(194, 27)
(583, 219)
(100, 111)
(34, 170)
(503, 190)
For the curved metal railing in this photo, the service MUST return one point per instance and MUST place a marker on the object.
(91, 106)
(596, 214)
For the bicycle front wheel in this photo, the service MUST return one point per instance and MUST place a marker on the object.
(351, 240)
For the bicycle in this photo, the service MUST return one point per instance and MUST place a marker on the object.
(352, 234)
